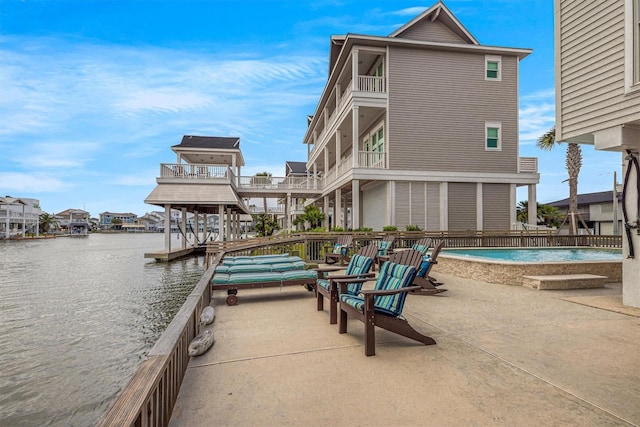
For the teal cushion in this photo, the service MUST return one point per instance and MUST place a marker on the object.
(359, 265)
(424, 266)
(337, 249)
(421, 248)
(392, 276)
(323, 283)
(222, 269)
(383, 248)
(220, 279)
(299, 274)
(241, 278)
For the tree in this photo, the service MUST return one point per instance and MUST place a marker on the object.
(311, 215)
(46, 222)
(265, 224)
(573, 163)
(547, 215)
(117, 222)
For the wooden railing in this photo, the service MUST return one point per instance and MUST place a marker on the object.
(149, 397)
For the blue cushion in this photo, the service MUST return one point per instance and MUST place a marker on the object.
(424, 266)
(323, 283)
(383, 247)
(421, 248)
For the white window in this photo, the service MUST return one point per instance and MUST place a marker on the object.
(493, 67)
(632, 45)
(493, 136)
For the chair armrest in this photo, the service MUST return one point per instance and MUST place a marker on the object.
(373, 292)
(350, 276)
(327, 269)
(368, 277)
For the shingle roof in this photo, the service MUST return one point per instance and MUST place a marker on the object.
(192, 141)
(588, 199)
(298, 168)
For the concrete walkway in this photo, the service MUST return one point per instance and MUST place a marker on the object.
(506, 356)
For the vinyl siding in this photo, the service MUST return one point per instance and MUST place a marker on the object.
(402, 204)
(591, 68)
(433, 206)
(431, 31)
(462, 206)
(438, 104)
(495, 206)
(374, 206)
(418, 204)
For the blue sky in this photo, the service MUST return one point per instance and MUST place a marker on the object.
(93, 93)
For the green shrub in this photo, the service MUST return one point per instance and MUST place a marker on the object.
(364, 229)
(412, 227)
(337, 229)
(389, 228)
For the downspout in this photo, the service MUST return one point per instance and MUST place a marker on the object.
(632, 159)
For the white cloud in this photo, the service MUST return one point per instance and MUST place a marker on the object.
(409, 11)
(537, 115)
(15, 182)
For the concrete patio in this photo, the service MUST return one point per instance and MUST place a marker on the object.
(506, 355)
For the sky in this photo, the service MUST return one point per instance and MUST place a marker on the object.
(93, 93)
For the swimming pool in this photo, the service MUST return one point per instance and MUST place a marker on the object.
(541, 254)
(509, 265)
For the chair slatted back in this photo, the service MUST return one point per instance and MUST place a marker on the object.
(408, 257)
(393, 276)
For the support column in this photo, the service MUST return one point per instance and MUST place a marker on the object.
(444, 206)
(326, 212)
(532, 213)
(355, 207)
(196, 229)
(337, 209)
(479, 207)
(221, 223)
(355, 135)
(338, 146)
(287, 213)
(184, 228)
(229, 225)
(167, 228)
(24, 222)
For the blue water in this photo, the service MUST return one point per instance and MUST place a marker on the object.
(540, 254)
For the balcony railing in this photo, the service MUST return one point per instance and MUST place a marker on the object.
(528, 165)
(194, 171)
(371, 84)
(279, 183)
(373, 160)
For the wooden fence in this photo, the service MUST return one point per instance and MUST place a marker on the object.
(150, 395)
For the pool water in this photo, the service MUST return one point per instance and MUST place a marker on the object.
(539, 254)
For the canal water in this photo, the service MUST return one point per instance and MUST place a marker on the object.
(77, 316)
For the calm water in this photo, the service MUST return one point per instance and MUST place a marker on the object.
(77, 316)
(541, 254)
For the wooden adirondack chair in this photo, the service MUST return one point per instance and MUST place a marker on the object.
(382, 306)
(385, 247)
(358, 268)
(417, 260)
(340, 251)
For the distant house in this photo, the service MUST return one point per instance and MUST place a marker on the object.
(74, 220)
(106, 220)
(18, 216)
(420, 127)
(597, 211)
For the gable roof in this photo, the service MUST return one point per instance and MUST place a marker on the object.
(219, 142)
(296, 168)
(438, 12)
(588, 199)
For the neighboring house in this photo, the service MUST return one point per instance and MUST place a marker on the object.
(106, 219)
(18, 216)
(70, 219)
(420, 127)
(598, 97)
(597, 211)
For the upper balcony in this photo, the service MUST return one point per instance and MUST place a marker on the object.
(246, 186)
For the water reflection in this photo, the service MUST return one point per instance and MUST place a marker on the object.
(76, 318)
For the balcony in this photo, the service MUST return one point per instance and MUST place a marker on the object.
(528, 165)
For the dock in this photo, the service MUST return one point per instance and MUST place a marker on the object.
(505, 355)
(162, 256)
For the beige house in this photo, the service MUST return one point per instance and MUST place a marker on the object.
(598, 98)
(420, 127)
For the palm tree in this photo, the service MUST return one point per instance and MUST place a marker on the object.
(546, 215)
(46, 221)
(573, 163)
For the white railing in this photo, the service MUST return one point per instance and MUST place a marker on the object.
(372, 160)
(371, 84)
(194, 171)
(279, 183)
(528, 165)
